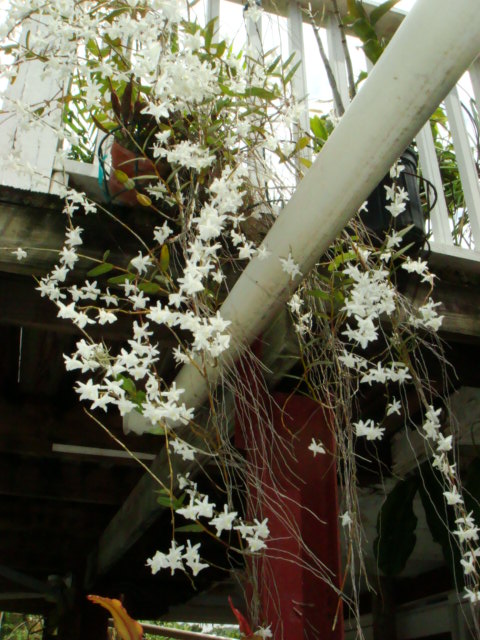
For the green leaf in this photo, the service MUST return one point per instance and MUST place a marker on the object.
(364, 30)
(164, 258)
(128, 385)
(105, 255)
(318, 128)
(274, 65)
(301, 143)
(318, 293)
(260, 92)
(221, 47)
(356, 9)
(373, 50)
(150, 287)
(100, 269)
(289, 61)
(381, 10)
(125, 277)
(396, 524)
(306, 162)
(165, 501)
(291, 73)
(190, 527)
(209, 33)
(341, 259)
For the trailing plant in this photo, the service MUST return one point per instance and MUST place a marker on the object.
(222, 123)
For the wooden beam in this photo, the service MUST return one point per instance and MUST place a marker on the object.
(29, 515)
(33, 426)
(141, 508)
(54, 479)
(460, 307)
(22, 306)
(39, 227)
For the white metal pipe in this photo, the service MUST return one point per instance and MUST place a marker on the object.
(434, 45)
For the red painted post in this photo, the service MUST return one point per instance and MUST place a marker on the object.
(299, 497)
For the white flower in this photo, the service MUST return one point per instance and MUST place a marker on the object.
(264, 632)
(140, 263)
(345, 519)
(105, 316)
(224, 521)
(204, 507)
(394, 407)
(88, 390)
(290, 267)
(453, 497)
(415, 266)
(68, 257)
(444, 443)
(368, 430)
(255, 544)
(183, 449)
(316, 447)
(192, 558)
(19, 253)
(73, 237)
(472, 595)
(162, 233)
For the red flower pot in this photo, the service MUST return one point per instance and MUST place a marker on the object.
(138, 168)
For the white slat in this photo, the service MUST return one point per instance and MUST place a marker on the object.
(295, 45)
(474, 73)
(254, 37)
(213, 13)
(336, 57)
(431, 171)
(466, 165)
(37, 146)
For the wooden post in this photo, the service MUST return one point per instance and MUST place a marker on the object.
(299, 497)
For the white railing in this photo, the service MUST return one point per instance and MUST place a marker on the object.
(38, 148)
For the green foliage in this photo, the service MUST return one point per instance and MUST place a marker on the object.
(363, 26)
(19, 626)
(225, 631)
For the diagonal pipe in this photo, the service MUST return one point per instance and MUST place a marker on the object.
(435, 44)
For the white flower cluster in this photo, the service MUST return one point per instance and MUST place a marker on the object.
(177, 558)
(226, 520)
(370, 296)
(201, 507)
(303, 317)
(467, 531)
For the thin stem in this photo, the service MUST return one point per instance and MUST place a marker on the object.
(351, 80)
(337, 99)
